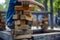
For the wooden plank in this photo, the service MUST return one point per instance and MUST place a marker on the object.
(17, 22)
(21, 32)
(15, 16)
(22, 17)
(23, 36)
(2, 23)
(45, 19)
(17, 28)
(25, 3)
(24, 8)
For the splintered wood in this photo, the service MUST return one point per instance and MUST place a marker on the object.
(23, 19)
(2, 22)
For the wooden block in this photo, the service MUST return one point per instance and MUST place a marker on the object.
(23, 27)
(17, 22)
(19, 12)
(17, 28)
(22, 17)
(27, 31)
(46, 23)
(22, 36)
(29, 18)
(25, 3)
(3, 24)
(23, 22)
(20, 32)
(23, 8)
(27, 12)
(45, 19)
(15, 16)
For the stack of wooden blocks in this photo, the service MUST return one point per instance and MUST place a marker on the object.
(2, 22)
(44, 22)
(23, 18)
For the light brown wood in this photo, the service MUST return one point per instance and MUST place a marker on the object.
(24, 14)
(23, 17)
(23, 8)
(17, 28)
(23, 36)
(29, 18)
(44, 18)
(17, 22)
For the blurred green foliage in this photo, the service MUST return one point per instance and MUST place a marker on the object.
(56, 5)
(1, 7)
(6, 3)
(4, 6)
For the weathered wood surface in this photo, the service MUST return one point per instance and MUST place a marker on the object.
(23, 16)
(23, 8)
(23, 36)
